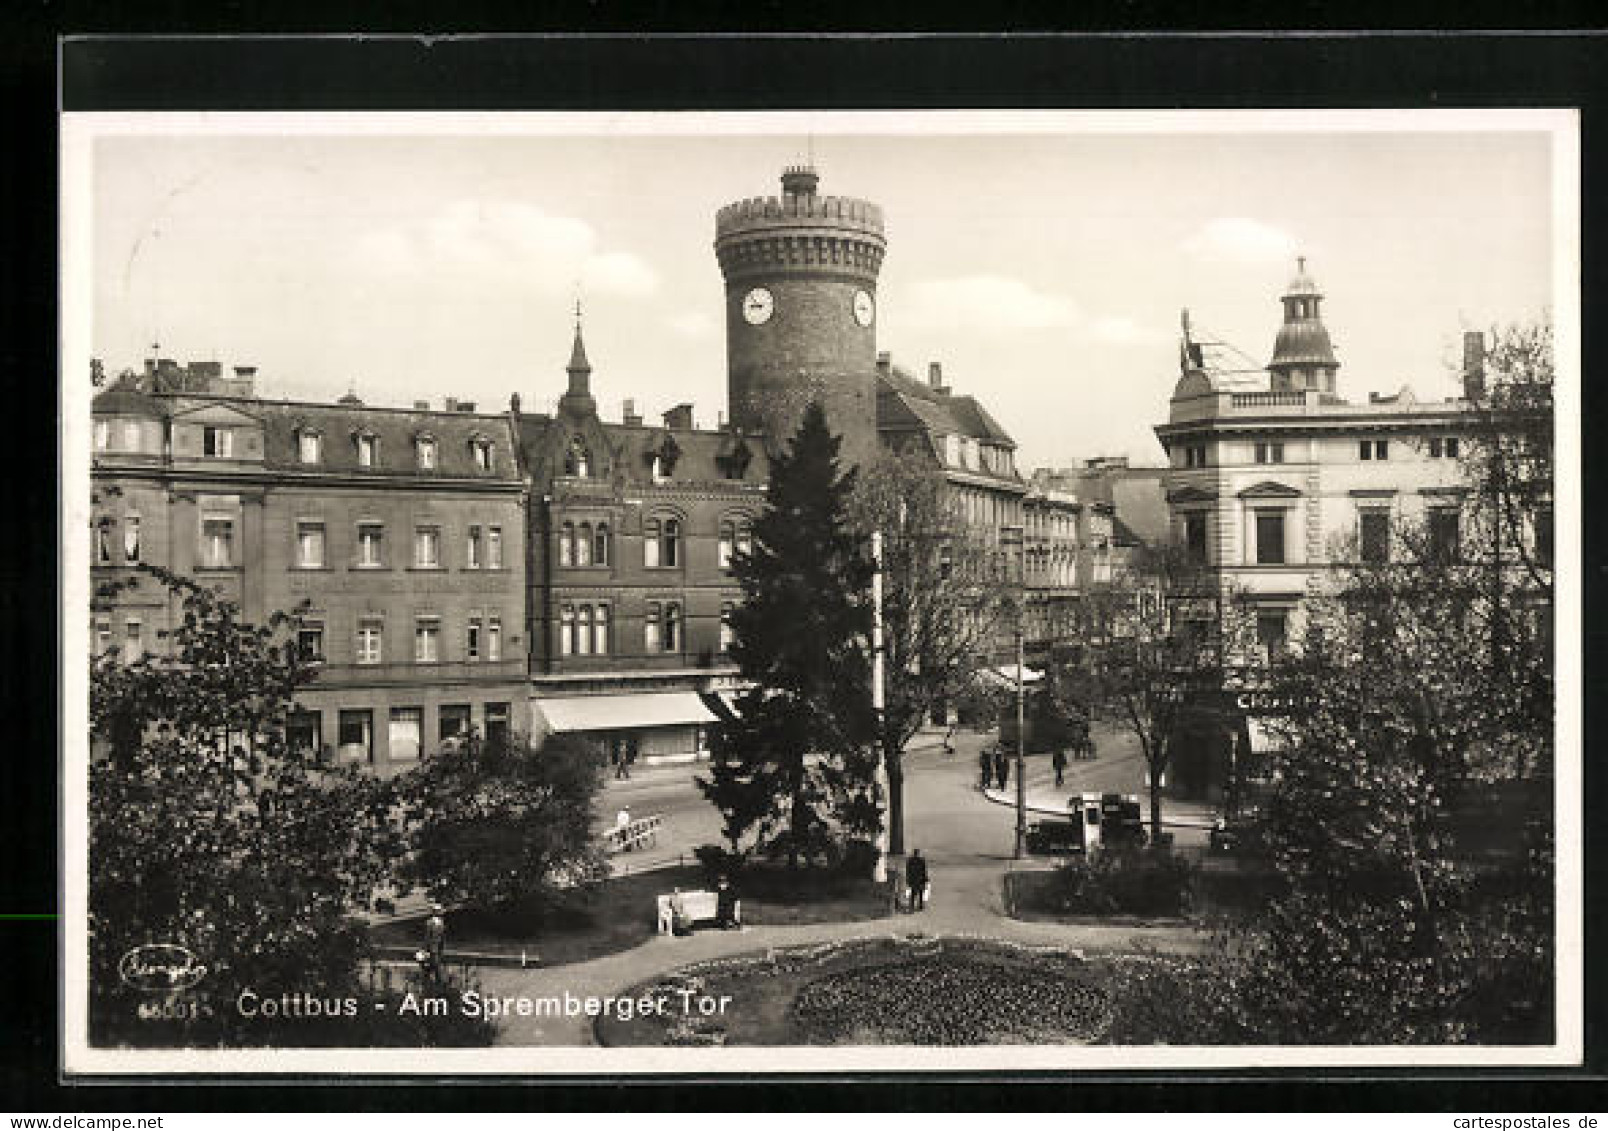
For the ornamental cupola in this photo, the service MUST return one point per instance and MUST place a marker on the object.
(577, 399)
(1303, 356)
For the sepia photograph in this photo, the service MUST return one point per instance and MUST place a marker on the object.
(820, 591)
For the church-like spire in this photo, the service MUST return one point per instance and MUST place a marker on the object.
(578, 399)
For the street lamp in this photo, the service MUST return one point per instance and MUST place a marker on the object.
(1013, 536)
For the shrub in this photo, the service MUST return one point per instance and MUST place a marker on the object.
(718, 861)
(1150, 882)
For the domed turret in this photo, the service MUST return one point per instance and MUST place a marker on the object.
(1303, 356)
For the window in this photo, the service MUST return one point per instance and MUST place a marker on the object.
(1270, 453)
(370, 545)
(1195, 455)
(472, 549)
(1445, 537)
(1447, 447)
(600, 545)
(480, 449)
(1271, 632)
(425, 449)
(566, 544)
(494, 639)
(471, 648)
(407, 733)
(309, 447)
(310, 642)
(427, 640)
(309, 545)
(304, 735)
(1434, 447)
(370, 642)
(131, 435)
(217, 543)
(103, 634)
(734, 539)
(725, 626)
(133, 639)
(1373, 449)
(670, 544)
(1365, 450)
(103, 542)
(496, 724)
(1381, 449)
(103, 435)
(566, 631)
(1269, 537)
(453, 724)
(650, 628)
(368, 450)
(131, 537)
(600, 629)
(650, 543)
(1374, 535)
(1451, 447)
(217, 441)
(672, 627)
(356, 736)
(583, 630)
(1195, 537)
(427, 547)
(493, 547)
(577, 460)
(583, 544)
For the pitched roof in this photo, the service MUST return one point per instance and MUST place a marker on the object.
(905, 404)
(701, 456)
(396, 430)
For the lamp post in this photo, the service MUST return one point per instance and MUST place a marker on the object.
(1014, 536)
(880, 870)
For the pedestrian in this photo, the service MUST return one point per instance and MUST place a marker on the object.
(680, 924)
(726, 905)
(1002, 767)
(985, 768)
(1058, 760)
(617, 760)
(435, 936)
(916, 880)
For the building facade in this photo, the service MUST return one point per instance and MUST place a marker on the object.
(400, 530)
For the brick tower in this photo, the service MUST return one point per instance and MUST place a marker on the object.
(801, 284)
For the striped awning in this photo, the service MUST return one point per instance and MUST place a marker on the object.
(624, 712)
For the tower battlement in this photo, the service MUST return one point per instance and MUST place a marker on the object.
(797, 210)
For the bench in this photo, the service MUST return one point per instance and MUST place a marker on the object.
(699, 907)
(638, 834)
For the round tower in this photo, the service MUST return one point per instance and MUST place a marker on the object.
(801, 311)
(1303, 357)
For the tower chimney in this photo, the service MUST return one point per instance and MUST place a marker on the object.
(1473, 364)
(628, 412)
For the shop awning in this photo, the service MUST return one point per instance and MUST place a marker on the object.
(1006, 673)
(624, 712)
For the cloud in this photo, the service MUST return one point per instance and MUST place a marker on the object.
(989, 302)
(1123, 331)
(1241, 239)
(507, 239)
(692, 324)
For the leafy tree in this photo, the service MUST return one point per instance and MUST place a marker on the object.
(796, 767)
(206, 832)
(498, 824)
(942, 603)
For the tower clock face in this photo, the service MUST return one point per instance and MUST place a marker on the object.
(864, 308)
(758, 305)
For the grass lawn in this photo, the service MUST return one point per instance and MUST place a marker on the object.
(623, 913)
(878, 991)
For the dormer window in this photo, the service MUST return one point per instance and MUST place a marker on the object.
(424, 451)
(480, 450)
(368, 449)
(662, 457)
(309, 445)
(577, 460)
(217, 442)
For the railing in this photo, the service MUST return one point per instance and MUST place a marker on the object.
(640, 833)
(1268, 400)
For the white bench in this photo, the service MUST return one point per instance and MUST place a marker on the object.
(637, 834)
(699, 906)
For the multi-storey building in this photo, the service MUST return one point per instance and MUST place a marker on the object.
(401, 530)
(632, 532)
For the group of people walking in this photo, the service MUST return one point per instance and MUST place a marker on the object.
(994, 767)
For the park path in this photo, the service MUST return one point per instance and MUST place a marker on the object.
(969, 843)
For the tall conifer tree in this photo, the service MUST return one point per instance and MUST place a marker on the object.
(796, 769)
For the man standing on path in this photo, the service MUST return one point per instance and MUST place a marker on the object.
(1002, 767)
(916, 880)
(985, 768)
(435, 936)
(1058, 760)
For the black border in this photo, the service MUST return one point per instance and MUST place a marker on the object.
(626, 71)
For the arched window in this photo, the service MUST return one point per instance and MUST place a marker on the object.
(480, 448)
(566, 544)
(583, 544)
(670, 551)
(583, 630)
(650, 628)
(600, 545)
(672, 627)
(600, 631)
(728, 542)
(650, 543)
(725, 626)
(566, 631)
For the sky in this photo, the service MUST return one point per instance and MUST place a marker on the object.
(1044, 267)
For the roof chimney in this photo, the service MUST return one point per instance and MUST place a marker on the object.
(679, 417)
(628, 412)
(884, 363)
(450, 404)
(935, 378)
(422, 406)
(1473, 365)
